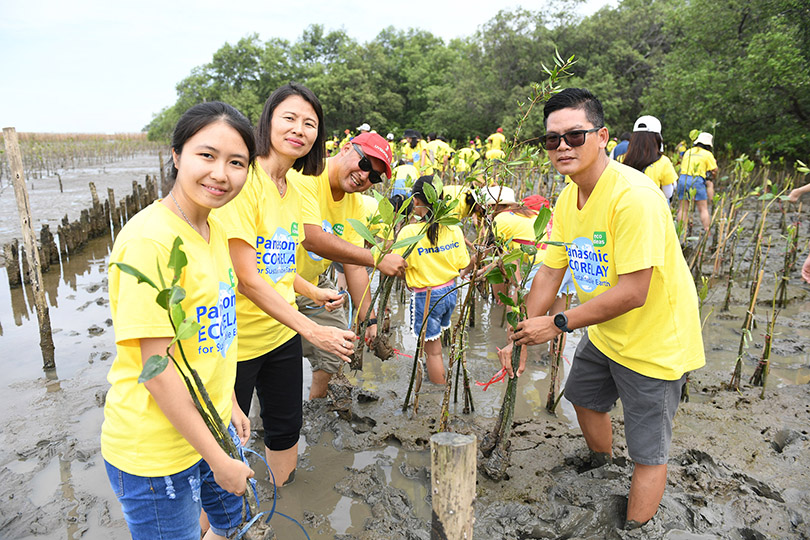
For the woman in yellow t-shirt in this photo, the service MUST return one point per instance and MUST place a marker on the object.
(162, 461)
(646, 154)
(434, 264)
(698, 167)
(265, 227)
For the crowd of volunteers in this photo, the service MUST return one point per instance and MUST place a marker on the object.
(275, 269)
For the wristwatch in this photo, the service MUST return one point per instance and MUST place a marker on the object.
(561, 322)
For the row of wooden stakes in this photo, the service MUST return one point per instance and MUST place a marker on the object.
(99, 219)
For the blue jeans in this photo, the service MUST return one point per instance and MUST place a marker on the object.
(439, 318)
(168, 507)
(687, 182)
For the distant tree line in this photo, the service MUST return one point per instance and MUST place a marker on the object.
(737, 68)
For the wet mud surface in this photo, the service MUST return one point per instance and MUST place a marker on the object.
(738, 465)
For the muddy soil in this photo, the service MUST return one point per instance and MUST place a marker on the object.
(737, 469)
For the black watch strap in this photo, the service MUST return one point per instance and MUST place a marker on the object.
(561, 322)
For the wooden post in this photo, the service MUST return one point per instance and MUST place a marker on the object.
(452, 485)
(94, 193)
(31, 251)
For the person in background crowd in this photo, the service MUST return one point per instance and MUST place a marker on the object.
(698, 168)
(621, 148)
(646, 154)
(433, 265)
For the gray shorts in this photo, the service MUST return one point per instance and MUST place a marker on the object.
(320, 359)
(596, 382)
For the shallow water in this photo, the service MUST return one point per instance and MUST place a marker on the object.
(58, 460)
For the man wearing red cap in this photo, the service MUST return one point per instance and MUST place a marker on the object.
(328, 201)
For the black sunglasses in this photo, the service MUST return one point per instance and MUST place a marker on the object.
(551, 141)
(365, 165)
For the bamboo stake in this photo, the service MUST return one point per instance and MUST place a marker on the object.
(452, 479)
(29, 239)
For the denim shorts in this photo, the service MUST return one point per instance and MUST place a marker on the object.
(687, 182)
(168, 507)
(649, 405)
(566, 287)
(439, 318)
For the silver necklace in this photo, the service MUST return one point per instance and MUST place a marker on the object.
(181, 212)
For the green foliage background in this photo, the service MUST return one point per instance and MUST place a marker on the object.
(737, 68)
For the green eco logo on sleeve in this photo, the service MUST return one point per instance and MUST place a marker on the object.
(599, 238)
(294, 228)
(338, 228)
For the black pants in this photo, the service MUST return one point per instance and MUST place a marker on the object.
(278, 378)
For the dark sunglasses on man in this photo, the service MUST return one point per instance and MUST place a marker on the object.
(365, 165)
(551, 141)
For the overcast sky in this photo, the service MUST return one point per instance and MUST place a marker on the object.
(97, 66)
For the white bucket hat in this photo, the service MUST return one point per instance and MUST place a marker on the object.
(499, 195)
(705, 138)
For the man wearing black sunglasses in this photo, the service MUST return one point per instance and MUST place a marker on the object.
(329, 201)
(637, 298)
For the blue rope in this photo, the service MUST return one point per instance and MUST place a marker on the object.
(272, 510)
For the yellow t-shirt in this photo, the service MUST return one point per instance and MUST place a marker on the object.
(437, 150)
(273, 225)
(626, 226)
(321, 209)
(519, 229)
(495, 141)
(465, 158)
(136, 436)
(696, 161)
(462, 209)
(414, 155)
(428, 265)
(495, 153)
(661, 172)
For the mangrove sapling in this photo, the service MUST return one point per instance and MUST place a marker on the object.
(791, 248)
(169, 298)
(495, 445)
(389, 220)
(554, 369)
(760, 375)
(747, 326)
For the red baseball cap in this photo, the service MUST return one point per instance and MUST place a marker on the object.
(500, 130)
(375, 146)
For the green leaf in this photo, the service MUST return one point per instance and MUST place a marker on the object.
(132, 271)
(405, 242)
(160, 274)
(528, 250)
(430, 193)
(506, 300)
(153, 367)
(495, 277)
(553, 243)
(177, 260)
(512, 317)
(512, 256)
(188, 328)
(362, 230)
(177, 295)
(177, 314)
(438, 185)
(449, 221)
(541, 222)
(386, 210)
(163, 298)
